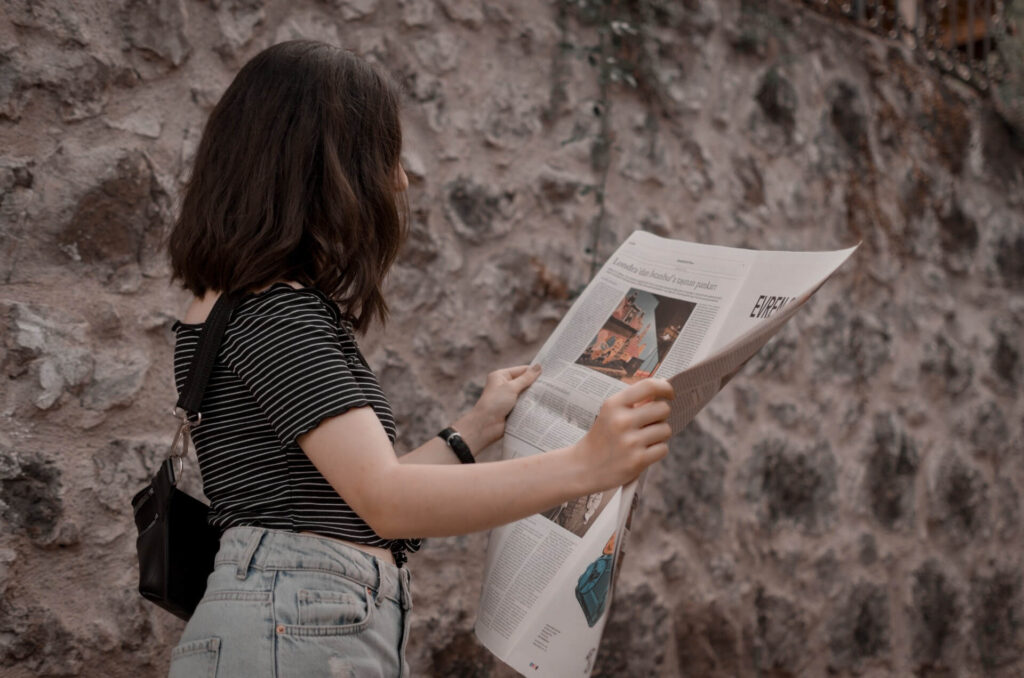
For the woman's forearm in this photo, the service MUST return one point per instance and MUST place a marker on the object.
(474, 429)
(353, 453)
(413, 500)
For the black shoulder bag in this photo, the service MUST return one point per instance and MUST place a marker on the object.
(176, 544)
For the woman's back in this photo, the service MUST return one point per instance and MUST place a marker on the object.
(288, 360)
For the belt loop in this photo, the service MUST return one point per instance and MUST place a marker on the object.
(379, 595)
(250, 551)
(405, 584)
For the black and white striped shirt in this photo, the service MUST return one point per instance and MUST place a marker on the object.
(287, 361)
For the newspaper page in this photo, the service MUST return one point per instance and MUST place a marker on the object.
(693, 314)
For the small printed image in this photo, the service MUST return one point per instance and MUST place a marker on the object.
(637, 336)
(579, 514)
(594, 585)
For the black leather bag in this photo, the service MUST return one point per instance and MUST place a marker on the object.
(176, 543)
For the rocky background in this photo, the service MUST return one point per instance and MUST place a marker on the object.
(850, 505)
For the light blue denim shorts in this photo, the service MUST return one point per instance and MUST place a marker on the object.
(288, 605)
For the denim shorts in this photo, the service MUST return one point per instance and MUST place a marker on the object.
(287, 605)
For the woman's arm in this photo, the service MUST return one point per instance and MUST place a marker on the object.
(354, 454)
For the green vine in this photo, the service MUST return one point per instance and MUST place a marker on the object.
(622, 57)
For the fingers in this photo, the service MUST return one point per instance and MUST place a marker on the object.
(655, 434)
(648, 413)
(645, 390)
(516, 371)
(525, 377)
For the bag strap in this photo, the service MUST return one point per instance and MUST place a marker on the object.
(202, 362)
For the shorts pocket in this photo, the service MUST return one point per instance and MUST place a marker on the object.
(195, 659)
(333, 613)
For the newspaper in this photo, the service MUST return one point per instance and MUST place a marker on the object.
(693, 314)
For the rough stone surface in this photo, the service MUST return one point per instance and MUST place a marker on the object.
(776, 635)
(860, 630)
(850, 504)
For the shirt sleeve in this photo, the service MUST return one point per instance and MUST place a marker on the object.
(287, 352)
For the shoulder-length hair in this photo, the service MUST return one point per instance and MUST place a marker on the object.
(296, 178)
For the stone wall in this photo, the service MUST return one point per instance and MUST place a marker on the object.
(850, 505)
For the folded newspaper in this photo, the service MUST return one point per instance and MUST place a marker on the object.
(693, 314)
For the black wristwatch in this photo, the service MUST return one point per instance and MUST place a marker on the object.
(458, 445)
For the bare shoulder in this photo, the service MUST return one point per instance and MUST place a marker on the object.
(200, 308)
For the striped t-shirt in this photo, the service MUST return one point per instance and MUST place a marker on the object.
(287, 361)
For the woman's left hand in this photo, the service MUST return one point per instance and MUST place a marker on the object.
(501, 392)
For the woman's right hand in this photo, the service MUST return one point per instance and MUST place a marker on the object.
(629, 434)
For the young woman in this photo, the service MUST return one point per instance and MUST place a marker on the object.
(297, 201)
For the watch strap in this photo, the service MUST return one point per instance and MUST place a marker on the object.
(457, 444)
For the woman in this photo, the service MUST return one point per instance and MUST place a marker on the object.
(296, 200)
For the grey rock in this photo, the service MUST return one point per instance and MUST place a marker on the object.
(960, 502)
(750, 180)
(777, 635)
(946, 366)
(691, 482)
(557, 186)
(7, 557)
(30, 492)
(792, 486)
(476, 213)
(158, 27)
(238, 21)
(120, 220)
(892, 464)
(778, 357)
(1006, 363)
(308, 25)
(531, 292)
(707, 641)
(416, 413)
(777, 99)
(636, 636)
(55, 345)
(958, 238)
(850, 343)
(117, 378)
(1009, 259)
(787, 414)
(860, 630)
(990, 432)
(467, 12)
(438, 52)
(352, 10)
(79, 81)
(34, 639)
(462, 655)
(417, 13)
(933, 615)
(867, 549)
(997, 616)
(1007, 521)
(826, 569)
(696, 169)
(946, 125)
(849, 119)
(123, 467)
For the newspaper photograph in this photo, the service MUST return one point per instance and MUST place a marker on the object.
(693, 314)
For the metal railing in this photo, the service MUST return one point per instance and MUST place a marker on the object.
(959, 37)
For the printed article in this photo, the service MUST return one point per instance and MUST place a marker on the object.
(693, 314)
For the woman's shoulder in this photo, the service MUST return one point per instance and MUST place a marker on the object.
(281, 304)
(283, 300)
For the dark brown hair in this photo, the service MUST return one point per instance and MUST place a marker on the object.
(296, 178)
